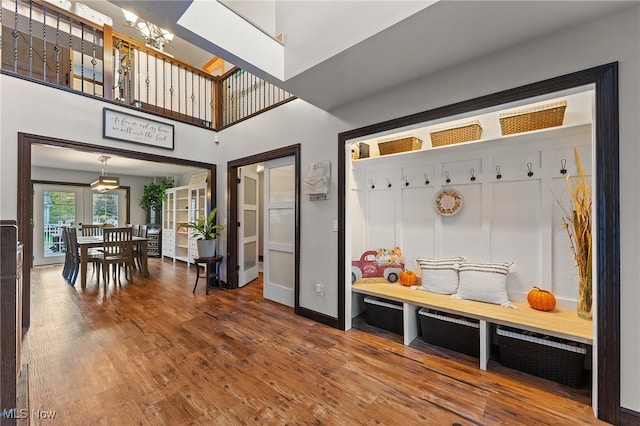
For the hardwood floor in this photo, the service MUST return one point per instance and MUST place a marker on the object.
(153, 353)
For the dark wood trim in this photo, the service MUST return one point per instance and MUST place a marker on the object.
(25, 191)
(629, 417)
(605, 80)
(9, 324)
(232, 213)
(318, 317)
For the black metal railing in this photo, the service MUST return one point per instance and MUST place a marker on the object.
(245, 95)
(43, 42)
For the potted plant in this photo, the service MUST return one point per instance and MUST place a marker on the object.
(205, 231)
(153, 195)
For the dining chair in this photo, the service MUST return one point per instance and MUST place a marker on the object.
(90, 229)
(117, 252)
(72, 256)
(136, 230)
(68, 261)
(137, 249)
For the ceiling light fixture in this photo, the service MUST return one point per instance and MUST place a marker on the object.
(104, 182)
(154, 36)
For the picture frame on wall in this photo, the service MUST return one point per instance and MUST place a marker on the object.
(118, 125)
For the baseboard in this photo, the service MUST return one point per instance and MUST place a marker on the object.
(629, 417)
(318, 317)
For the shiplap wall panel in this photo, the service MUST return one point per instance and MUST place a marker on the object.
(515, 236)
(462, 233)
(516, 218)
(417, 232)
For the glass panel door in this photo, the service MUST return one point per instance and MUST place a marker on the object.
(279, 231)
(54, 206)
(249, 226)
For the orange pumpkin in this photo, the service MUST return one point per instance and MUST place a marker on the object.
(541, 300)
(408, 278)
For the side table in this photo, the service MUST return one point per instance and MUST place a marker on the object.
(211, 271)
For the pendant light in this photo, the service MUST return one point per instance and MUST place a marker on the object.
(104, 182)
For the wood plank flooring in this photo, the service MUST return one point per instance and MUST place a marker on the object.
(153, 353)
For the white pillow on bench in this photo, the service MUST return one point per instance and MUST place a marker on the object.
(440, 275)
(484, 282)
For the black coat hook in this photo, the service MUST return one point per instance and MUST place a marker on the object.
(563, 165)
(530, 168)
(426, 179)
(373, 186)
(446, 173)
(388, 183)
(473, 174)
(498, 175)
(406, 181)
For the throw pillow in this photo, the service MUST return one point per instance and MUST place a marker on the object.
(440, 275)
(484, 282)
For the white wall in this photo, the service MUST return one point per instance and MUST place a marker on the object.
(32, 108)
(292, 123)
(614, 37)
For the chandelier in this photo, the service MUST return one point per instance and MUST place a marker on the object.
(104, 182)
(154, 36)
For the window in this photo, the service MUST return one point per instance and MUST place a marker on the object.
(105, 208)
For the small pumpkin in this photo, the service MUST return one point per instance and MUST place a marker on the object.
(541, 300)
(408, 278)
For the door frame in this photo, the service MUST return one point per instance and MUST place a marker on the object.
(607, 187)
(232, 215)
(25, 193)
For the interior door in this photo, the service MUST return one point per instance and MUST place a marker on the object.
(249, 225)
(279, 230)
(54, 206)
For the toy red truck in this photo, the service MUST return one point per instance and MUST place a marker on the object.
(369, 266)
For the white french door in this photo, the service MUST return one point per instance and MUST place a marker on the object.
(54, 206)
(249, 225)
(279, 230)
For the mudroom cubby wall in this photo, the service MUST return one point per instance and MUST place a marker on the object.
(513, 192)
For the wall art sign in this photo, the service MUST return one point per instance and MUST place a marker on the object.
(126, 127)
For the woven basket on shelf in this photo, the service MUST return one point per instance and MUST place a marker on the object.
(399, 145)
(467, 132)
(560, 362)
(541, 117)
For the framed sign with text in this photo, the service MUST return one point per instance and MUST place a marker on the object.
(126, 127)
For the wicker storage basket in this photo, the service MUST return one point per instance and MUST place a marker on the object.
(457, 333)
(467, 132)
(399, 145)
(385, 314)
(560, 362)
(549, 115)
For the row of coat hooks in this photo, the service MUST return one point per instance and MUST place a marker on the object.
(472, 174)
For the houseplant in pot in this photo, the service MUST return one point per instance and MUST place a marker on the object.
(205, 231)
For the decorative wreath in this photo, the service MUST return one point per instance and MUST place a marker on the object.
(448, 202)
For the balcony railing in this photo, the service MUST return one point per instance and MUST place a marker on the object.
(45, 43)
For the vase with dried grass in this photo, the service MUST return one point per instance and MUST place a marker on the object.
(579, 225)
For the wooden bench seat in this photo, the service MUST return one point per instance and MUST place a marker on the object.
(558, 323)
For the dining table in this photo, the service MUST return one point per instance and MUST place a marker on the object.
(86, 242)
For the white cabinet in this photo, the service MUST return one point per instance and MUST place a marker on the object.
(197, 210)
(183, 204)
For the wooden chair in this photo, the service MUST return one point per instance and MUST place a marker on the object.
(72, 256)
(90, 230)
(137, 250)
(117, 251)
(136, 230)
(68, 257)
